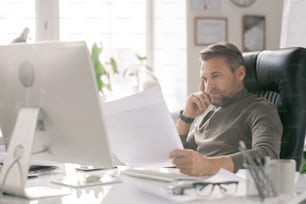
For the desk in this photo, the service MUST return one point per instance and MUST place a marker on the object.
(125, 192)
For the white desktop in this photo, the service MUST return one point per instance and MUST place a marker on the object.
(49, 109)
(136, 191)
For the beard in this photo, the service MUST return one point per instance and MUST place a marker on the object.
(218, 100)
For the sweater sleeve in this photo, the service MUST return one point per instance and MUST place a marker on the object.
(266, 129)
(189, 141)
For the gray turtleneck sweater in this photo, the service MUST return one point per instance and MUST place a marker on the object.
(244, 117)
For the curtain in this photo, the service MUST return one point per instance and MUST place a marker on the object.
(293, 32)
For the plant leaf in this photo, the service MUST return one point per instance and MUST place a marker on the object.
(114, 65)
(141, 58)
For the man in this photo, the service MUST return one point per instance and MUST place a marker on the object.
(228, 115)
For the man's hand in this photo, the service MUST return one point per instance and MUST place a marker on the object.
(193, 163)
(196, 104)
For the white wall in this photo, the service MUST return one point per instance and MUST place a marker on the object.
(271, 9)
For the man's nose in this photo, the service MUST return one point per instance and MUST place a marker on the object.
(210, 86)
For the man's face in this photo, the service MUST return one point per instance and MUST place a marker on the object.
(219, 81)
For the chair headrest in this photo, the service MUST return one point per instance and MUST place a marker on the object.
(275, 69)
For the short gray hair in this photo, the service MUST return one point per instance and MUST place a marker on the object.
(227, 50)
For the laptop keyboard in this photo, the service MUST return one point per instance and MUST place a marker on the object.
(158, 175)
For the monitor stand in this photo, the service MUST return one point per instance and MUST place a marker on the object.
(13, 175)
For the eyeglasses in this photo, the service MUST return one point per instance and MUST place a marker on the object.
(204, 188)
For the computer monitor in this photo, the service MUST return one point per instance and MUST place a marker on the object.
(49, 108)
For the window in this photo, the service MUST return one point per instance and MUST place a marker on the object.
(14, 17)
(170, 50)
(123, 28)
(152, 28)
(119, 25)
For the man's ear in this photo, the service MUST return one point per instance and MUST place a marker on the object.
(241, 72)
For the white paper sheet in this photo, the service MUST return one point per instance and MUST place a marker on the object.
(141, 130)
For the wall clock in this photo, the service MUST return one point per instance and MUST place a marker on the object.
(243, 3)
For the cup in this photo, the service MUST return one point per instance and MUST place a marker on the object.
(282, 175)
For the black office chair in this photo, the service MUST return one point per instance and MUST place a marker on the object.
(280, 76)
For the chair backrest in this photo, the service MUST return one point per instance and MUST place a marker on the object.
(280, 76)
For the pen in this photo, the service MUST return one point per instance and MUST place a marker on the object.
(268, 183)
(253, 170)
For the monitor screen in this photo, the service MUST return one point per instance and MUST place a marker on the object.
(58, 78)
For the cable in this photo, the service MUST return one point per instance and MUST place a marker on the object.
(17, 155)
(7, 172)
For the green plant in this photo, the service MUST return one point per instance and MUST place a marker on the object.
(142, 73)
(148, 69)
(134, 70)
(142, 60)
(102, 74)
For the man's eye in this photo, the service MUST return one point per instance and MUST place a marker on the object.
(215, 75)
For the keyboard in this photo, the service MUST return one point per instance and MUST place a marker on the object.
(41, 168)
(158, 175)
(35, 169)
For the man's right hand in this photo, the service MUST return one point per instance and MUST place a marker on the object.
(196, 104)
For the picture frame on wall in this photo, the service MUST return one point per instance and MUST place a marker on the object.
(253, 33)
(209, 30)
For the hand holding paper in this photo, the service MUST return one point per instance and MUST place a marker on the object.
(141, 130)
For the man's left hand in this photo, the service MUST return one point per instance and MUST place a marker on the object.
(191, 162)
